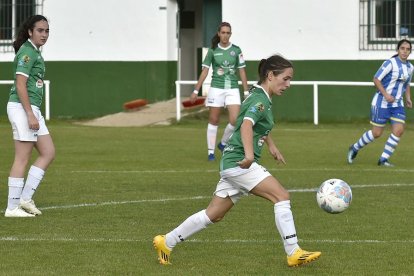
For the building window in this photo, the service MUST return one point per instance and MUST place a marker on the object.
(12, 14)
(384, 22)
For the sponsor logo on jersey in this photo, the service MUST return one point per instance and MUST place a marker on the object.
(220, 71)
(241, 58)
(39, 84)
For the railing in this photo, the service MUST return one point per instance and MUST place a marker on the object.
(315, 85)
(47, 95)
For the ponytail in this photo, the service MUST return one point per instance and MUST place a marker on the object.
(276, 64)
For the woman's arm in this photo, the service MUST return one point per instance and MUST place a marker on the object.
(21, 87)
(274, 151)
(381, 89)
(243, 78)
(246, 132)
(408, 97)
(201, 79)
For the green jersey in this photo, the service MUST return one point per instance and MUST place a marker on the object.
(225, 62)
(257, 107)
(29, 62)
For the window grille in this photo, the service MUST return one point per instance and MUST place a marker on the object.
(12, 14)
(383, 23)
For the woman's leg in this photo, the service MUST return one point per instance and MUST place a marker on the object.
(271, 189)
(397, 130)
(46, 149)
(228, 131)
(22, 155)
(212, 128)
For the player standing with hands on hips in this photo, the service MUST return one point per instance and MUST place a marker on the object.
(240, 172)
(225, 58)
(28, 124)
(392, 81)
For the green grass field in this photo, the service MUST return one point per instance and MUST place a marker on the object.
(111, 190)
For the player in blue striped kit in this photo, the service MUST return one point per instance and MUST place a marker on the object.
(393, 82)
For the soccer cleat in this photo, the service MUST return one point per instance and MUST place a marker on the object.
(301, 257)
(220, 146)
(17, 213)
(385, 163)
(351, 154)
(29, 206)
(211, 157)
(162, 250)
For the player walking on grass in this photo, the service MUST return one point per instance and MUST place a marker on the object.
(225, 58)
(240, 172)
(392, 81)
(28, 124)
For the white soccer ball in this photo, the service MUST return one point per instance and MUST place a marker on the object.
(334, 196)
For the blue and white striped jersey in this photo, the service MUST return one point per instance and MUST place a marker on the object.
(394, 75)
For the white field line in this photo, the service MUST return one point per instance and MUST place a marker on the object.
(254, 241)
(204, 197)
(271, 169)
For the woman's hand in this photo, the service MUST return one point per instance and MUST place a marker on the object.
(277, 155)
(409, 103)
(245, 163)
(33, 122)
(193, 97)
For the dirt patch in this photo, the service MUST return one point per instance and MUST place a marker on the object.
(160, 113)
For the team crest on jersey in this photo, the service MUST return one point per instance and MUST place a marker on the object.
(232, 53)
(257, 107)
(39, 84)
(23, 60)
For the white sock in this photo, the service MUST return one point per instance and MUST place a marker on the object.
(211, 137)
(34, 177)
(15, 190)
(193, 224)
(286, 226)
(228, 131)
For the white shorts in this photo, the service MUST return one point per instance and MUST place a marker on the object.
(217, 97)
(239, 185)
(18, 120)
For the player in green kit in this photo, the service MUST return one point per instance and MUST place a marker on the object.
(225, 59)
(240, 172)
(28, 125)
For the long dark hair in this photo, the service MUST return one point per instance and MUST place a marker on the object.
(400, 43)
(276, 64)
(23, 33)
(216, 39)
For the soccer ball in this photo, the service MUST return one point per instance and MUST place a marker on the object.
(334, 196)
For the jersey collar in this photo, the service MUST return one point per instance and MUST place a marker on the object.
(228, 47)
(264, 91)
(32, 44)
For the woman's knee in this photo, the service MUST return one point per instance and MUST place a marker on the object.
(283, 195)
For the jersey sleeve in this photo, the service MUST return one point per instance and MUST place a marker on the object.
(25, 61)
(208, 59)
(240, 60)
(255, 112)
(384, 70)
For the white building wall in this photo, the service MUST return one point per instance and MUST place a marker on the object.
(109, 30)
(298, 29)
(145, 30)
